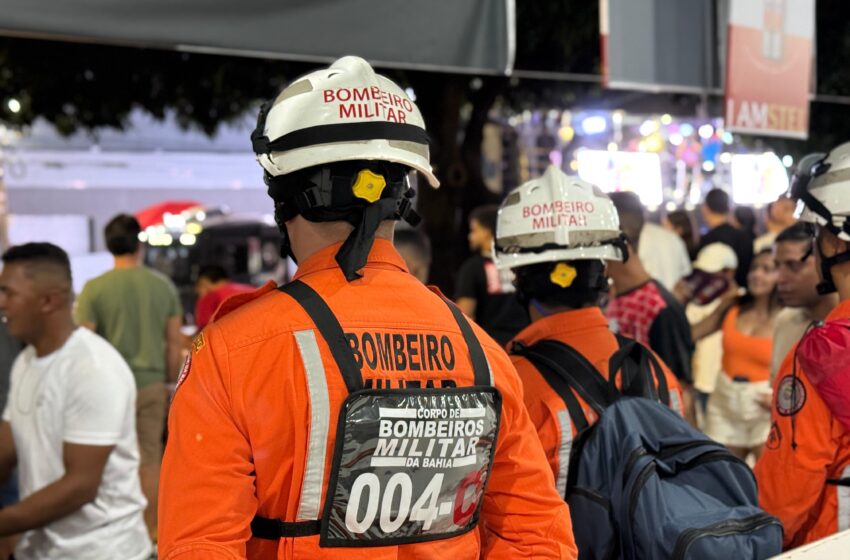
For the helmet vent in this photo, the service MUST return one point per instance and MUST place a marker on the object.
(302, 86)
(512, 199)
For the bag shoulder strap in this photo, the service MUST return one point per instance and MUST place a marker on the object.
(581, 373)
(845, 482)
(642, 373)
(567, 370)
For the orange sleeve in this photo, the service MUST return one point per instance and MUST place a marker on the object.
(791, 481)
(206, 492)
(523, 516)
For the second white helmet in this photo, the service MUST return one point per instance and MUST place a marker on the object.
(557, 217)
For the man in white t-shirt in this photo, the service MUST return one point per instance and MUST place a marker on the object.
(68, 425)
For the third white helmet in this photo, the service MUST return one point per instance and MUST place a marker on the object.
(822, 186)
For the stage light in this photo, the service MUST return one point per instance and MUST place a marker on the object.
(594, 125)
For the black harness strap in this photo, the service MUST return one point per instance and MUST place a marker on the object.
(480, 368)
(273, 529)
(330, 329)
(839, 482)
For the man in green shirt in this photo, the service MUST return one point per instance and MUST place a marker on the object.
(138, 311)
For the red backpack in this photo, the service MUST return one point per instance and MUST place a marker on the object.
(824, 354)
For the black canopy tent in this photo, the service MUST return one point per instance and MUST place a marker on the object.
(464, 36)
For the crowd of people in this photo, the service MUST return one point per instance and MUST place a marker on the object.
(355, 413)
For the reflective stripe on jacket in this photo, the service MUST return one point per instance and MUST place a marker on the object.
(253, 423)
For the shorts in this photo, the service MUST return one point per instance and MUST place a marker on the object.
(151, 411)
(734, 417)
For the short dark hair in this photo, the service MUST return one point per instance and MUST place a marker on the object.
(746, 217)
(535, 282)
(122, 235)
(416, 240)
(213, 272)
(630, 210)
(486, 216)
(801, 231)
(40, 254)
(628, 203)
(717, 201)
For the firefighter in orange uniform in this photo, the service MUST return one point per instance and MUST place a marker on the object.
(804, 473)
(352, 413)
(560, 275)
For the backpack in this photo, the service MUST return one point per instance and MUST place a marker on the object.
(642, 483)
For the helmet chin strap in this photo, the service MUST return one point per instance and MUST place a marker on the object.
(353, 253)
(326, 197)
(827, 285)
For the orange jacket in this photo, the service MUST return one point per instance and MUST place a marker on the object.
(587, 331)
(792, 481)
(240, 423)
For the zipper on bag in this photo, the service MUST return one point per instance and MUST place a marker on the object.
(721, 529)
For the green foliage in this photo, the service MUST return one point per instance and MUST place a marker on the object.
(85, 86)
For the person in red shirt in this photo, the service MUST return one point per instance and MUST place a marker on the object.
(213, 287)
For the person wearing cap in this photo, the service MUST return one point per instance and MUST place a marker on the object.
(352, 413)
(562, 282)
(804, 473)
(745, 320)
(717, 262)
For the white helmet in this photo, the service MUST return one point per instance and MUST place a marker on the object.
(822, 186)
(557, 217)
(342, 113)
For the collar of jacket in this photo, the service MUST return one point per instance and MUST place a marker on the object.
(564, 323)
(383, 255)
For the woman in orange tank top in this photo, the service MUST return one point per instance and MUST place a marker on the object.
(734, 416)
